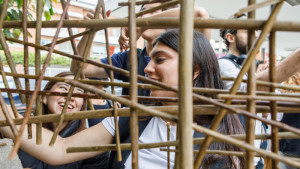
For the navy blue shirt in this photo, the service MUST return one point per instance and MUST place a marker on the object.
(290, 147)
(121, 60)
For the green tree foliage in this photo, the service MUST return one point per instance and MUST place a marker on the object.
(14, 13)
(18, 57)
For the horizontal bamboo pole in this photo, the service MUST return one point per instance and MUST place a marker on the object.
(142, 2)
(164, 22)
(149, 86)
(127, 146)
(269, 98)
(124, 112)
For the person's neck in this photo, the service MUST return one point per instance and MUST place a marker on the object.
(234, 52)
(99, 101)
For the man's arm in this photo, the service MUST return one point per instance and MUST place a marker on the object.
(199, 12)
(88, 70)
(284, 69)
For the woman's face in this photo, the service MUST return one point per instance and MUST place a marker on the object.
(163, 67)
(55, 104)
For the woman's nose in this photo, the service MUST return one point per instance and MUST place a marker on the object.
(149, 68)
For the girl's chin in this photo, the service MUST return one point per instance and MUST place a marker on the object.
(163, 93)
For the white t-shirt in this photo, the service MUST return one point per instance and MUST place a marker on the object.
(156, 131)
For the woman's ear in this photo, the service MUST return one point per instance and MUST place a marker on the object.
(197, 72)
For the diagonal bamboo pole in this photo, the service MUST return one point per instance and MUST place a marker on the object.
(127, 146)
(255, 6)
(196, 127)
(7, 116)
(78, 73)
(38, 84)
(111, 76)
(144, 79)
(252, 52)
(7, 51)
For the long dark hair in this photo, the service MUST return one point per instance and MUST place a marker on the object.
(209, 76)
(50, 126)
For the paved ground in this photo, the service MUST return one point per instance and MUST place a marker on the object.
(4, 153)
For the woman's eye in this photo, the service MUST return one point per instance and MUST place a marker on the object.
(159, 60)
(63, 88)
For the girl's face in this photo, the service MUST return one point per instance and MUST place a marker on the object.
(55, 104)
(163, 67)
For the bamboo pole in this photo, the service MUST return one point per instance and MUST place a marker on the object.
(38, 104)
(7, 116)
(161, 6)
(168, 139)
(127, 146)
(270, 98)
(166, 22)
(173, 110)
(133, 90)
(38, 84)
(186, 34)
(273, 105)
(142, 2)
(10, 98)
(251, 54)
(252, 7)
(149, 86)
(26, 59)
(7, 51)
(111, 76)
(251, 90)
(77, 75)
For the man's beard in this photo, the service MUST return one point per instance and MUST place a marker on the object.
(242, 48)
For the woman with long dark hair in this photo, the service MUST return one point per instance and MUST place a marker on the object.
(163, 67)
(54, 105)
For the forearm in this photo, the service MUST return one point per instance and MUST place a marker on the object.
(88, 70)
(284, 69)
(199, 12)
(53, 155)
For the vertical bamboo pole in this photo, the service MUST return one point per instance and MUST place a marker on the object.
(251, 54)
(7, 51)
(273, 105)
(134, 130)
(251, 90)
(26, 59)
(111, 76)
(78, 73)
(185, 84)
(38, 104)
(168, 139)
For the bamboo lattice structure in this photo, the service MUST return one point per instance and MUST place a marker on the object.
(189, 100)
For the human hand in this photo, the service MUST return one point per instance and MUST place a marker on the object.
(124, 39)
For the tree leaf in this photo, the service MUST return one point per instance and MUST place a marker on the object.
(47, 15)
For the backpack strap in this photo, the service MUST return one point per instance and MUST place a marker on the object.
(125, 138)
(234, 59)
